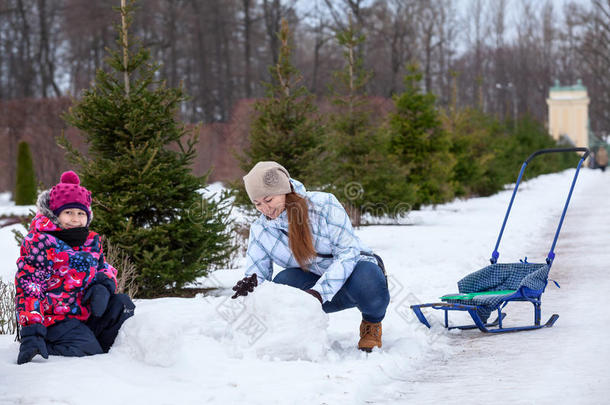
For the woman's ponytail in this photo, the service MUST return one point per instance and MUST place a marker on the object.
(299, 232)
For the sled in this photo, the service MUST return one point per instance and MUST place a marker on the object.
(491, 288)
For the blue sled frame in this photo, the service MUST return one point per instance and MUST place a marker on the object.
(523, 294)
(533, 296)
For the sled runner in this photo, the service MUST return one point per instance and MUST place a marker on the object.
(491, 288)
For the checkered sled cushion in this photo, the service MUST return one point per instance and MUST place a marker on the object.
(498, 277)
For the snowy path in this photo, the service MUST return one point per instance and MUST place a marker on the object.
(568, 363)
(277, 347)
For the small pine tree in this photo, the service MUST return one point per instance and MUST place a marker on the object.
(145, 198)
(421, 143)
(25, 187)
(358, 167)
(285, 128)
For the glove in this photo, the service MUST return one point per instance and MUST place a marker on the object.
(315, 294)
(32, 343)
(97, 297)
(245, 285)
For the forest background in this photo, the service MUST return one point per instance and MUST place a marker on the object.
(498, 57)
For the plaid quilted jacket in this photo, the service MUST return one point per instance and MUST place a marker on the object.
(332, 234)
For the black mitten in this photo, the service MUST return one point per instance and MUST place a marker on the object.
(97, 297)
(32, 343)
(245, 285)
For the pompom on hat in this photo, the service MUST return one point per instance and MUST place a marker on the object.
(70, 194)
(265, 179)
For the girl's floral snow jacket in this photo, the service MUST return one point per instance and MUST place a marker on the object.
(332, 234)
(52, 277)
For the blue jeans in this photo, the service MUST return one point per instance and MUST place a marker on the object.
(366, 289)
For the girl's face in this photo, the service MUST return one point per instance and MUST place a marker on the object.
(72, 218)
(271, 206)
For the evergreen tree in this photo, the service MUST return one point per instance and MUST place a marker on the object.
(523, 138)
(358, 167)
(421, 143)
(145, 199)
(489, 154)
(286, 128)
(25, 187)
(476, 140)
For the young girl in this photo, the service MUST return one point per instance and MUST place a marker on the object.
(311, 236)
(66, 292)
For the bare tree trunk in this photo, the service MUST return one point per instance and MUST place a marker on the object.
(26, 66)
(273, 16)
(247, 48)
(203, 64)
(501, 81)
(595, 53)
(224, 70)
(217, 69)
(125, 45)
(402, 31)
(43, 46)
(428, 47)
(172, 41)
(476, 42)
(447, 32)
(46, 57)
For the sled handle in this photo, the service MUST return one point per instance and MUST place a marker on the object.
(543, 151)
(495, 254)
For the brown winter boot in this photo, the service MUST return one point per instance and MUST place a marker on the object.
(370, 336)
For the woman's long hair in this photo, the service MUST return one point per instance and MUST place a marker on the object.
(299, 233)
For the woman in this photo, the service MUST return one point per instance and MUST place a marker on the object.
(309, 234)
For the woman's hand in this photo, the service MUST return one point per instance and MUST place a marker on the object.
(245, 285)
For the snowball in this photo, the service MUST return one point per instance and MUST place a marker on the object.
(282, 323)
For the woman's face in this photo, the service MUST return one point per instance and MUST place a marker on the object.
(72, 218)
(271, 206)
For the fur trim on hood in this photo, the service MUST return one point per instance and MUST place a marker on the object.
(43, 204)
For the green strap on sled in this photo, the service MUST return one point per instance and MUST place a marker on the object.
(470, 296)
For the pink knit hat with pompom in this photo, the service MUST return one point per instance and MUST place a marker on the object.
(69, 194)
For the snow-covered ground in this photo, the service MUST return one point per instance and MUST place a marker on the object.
(8, 207)
(277, 347)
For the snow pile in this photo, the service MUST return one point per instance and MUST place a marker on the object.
(154, 337)
(283, 323)
(275, 322)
